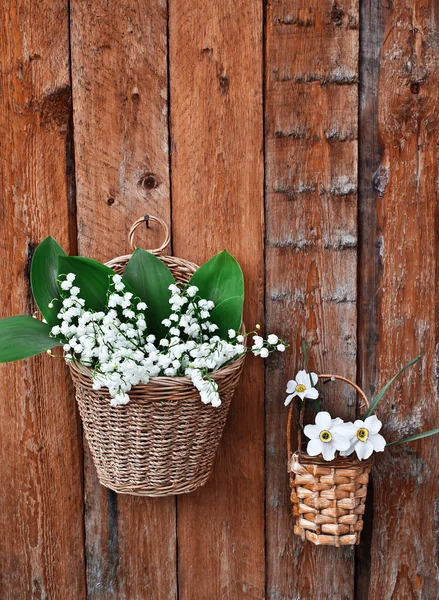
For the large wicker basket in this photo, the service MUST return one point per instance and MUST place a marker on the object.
(328, 497)
(165, 439)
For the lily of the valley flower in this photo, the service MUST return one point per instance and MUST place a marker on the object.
(326, 436)
(301, 386)
(364, 437)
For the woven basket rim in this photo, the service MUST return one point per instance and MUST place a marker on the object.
(339, 462)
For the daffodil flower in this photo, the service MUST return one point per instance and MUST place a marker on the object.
(365, 438)
(301, 386)
(326, 436)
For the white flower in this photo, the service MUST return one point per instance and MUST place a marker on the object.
(240, 339)
(281, 347)
(264, 353)
(325, 437)
(364, 437)
(141, 306)
(272, 339)
(192, 290)
(258, 341)
(231, 333)
(301, 386)
(166, 322)
(66, 285)
(74, 291)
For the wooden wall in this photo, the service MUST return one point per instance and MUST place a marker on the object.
(303, 137)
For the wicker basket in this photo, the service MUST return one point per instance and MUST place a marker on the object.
(165, 439)
(328, 497)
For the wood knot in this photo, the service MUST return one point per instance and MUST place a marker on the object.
(336, 16)
(415, 88)
(224, 84)
(148, 181)
(55, 108)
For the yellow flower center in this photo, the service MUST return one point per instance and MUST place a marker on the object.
(325, 436)
(363, 434)
(300, 388)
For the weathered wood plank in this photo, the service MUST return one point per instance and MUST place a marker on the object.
(217, 191)
(400, 220)
(311, 245)
(119, 69)
(41, 498)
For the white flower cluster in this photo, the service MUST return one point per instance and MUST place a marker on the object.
(263, 347)
(116, 345)
(329, 435)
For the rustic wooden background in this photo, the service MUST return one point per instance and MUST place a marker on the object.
(303, 137)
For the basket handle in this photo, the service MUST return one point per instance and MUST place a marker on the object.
(147, 219)
(302, 411)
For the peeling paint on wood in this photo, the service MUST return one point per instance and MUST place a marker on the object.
(311, 257)
(119, 70)
(41, 491)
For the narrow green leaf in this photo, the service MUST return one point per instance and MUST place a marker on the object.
(150, 279)
(23, 336)
(374, 403)
(227, 315)
(92, 278)
(417, 436)
(43, 274)
(219, 279)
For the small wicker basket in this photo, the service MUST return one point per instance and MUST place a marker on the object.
(328, 497)
(164, 441)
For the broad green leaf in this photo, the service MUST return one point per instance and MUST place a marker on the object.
(227, 315)
(374, 403)
(23, 336)
(417, 436)
(43, 274)
(92, 278)
(150, 279)
(219, 279)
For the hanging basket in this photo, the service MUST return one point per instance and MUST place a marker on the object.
(164, 440)
(328, 496)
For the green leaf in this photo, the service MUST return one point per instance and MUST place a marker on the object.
(219, 279)
(227, 315)
(43, 274)
(92, 278)
(23, 336)
(150, 279)
(374, 403)
(417, 436)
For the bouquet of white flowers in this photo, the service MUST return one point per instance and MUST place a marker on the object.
(329, 479)
(144, 337)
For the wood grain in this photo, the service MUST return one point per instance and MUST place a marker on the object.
(119, 70)
(41, 493)
(400, 282)
(311, 253)
(217, 191)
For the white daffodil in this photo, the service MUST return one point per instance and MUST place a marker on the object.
(364, 437)
(326, 436)
(301, 386)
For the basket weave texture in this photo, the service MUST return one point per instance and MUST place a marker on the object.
(165, 439)
(328, 496)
